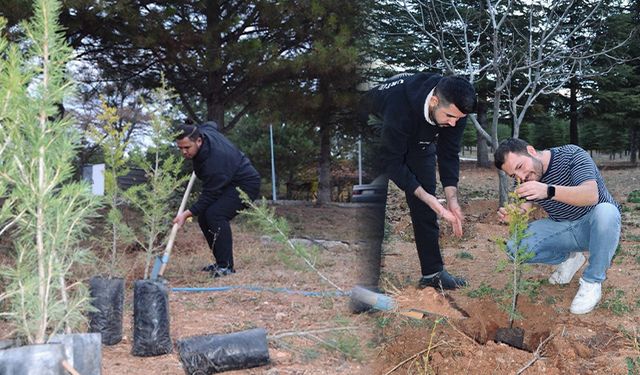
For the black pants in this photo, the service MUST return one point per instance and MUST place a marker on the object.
(423, 218)
(215, 221)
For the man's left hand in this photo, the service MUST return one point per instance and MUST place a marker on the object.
(531, 190)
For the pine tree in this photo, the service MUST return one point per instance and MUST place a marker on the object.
(48, 213)
(163, 178)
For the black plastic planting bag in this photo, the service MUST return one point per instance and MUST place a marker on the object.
(151, 319)
(210, 354)
(108, 299)
(44, 359)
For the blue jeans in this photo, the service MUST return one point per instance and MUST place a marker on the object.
(597, 232)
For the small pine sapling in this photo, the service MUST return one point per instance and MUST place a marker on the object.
(162, 169)
(518, 218)
(111, 135)
(267, 222)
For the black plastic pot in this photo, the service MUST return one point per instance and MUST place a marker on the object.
(83, 351)
(43, 359)
(209, 354)
(108, 299)
(151, 334)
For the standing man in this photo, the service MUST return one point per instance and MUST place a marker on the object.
(583, 216)
(222, 168)
(423, 118)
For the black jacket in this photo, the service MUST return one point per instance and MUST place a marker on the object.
(219, 164)
(407, 137)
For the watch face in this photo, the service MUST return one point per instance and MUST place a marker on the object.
(551, 191)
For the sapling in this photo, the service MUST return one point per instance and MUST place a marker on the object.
(265, 219)
(111, 135)
(48, 214)
(153, 198)
(518, 219)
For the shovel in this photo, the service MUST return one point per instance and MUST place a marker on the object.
(161, 261)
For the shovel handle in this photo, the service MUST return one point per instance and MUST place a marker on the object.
(174, 229)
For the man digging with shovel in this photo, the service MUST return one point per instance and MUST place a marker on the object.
(222, 168)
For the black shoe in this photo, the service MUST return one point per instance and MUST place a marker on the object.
(442, 280)
(210, 268)
(222, 271)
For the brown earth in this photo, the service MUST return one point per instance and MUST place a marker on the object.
(320, 335)
(606, 341)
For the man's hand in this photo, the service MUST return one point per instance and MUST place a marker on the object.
(453, 215)
(451, 193)
(531, 190)
(453, 219)
(503, 212)
(180, 219)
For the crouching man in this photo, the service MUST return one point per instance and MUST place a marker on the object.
(583, 216)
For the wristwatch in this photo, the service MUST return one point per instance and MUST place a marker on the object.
(551, 191)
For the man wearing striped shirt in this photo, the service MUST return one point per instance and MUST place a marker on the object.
(583, 216)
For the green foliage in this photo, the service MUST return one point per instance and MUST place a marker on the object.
(464, 255)
(295, 147)
(518, 223)
(482, 290)
(48, 212)
(617, 304)
(111, 135)
(153, 198)
(346, 343)
(633, 365)
(634, 196)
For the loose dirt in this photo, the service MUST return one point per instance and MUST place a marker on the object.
(556, 341)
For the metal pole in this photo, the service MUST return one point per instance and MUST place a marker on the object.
(359, 160)
(273, 165)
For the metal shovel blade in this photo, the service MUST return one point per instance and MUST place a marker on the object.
(157, 266)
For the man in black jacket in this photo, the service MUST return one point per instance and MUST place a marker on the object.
(423, 119)
(222, 168)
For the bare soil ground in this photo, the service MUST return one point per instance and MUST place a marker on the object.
(606, 341)
(320, 335)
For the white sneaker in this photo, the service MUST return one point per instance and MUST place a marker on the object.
(565, 271)
(587, 297)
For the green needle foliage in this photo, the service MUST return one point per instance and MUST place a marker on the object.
(46, 212)
(518, 222)
(267, 222)
(153, 198)
(111, 135)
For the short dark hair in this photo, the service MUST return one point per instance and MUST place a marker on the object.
(187, 130)
(514, 145)
(458, 91)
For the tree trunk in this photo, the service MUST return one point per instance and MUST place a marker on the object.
(215, 89)
(482, 152)
(504, 188)
(633, 143)
(324, 170)
(574, 86)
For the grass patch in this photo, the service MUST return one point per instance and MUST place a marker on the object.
(634, 196)
(633, 365)
(464, 255)
(616, 304)
(347, 344)
(482, 291)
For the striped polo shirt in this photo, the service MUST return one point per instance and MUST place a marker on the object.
(570, 165)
